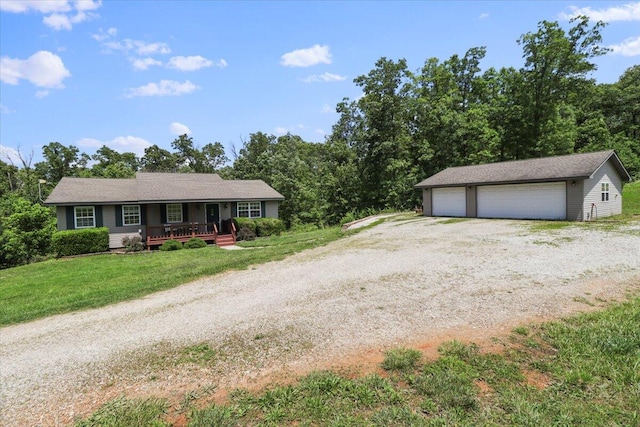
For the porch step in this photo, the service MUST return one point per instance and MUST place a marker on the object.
(225, 240)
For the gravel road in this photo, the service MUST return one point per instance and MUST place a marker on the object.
(400, 282)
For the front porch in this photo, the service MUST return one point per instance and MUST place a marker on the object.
(182, 232)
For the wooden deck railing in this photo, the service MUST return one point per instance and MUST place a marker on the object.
(158, 234)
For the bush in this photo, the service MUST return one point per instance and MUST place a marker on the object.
(246, 223)
(268, 227)
(77, 242)
(195, 243)
(171, 245)
(245, 233)
(132, 243)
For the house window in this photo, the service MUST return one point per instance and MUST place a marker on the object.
(174, 212)
(131, 215)
(84, 216)
(249, 209)
(604, 188)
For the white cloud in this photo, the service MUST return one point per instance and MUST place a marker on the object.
(164, 88)
(121, 144)
(140, 47)
(627, 12)
(88, 4)
(43, 69)
(326, 109)
(629, 47)
(281, 130)
(483, 16)
(9, 154)
(144, 63)
(59, 13)
(4, 109)
(189, 63)
(320, 132)
(23, 6)
(104, 35)
(307, 57)
(57, 21)
(179, 129)
(42, 93)
(326, 77)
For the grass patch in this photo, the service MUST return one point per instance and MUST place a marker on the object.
(400, 359)
(583, 370)
(631, 199)
(64, 285)
(128, 412)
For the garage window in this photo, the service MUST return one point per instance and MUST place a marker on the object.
(604, 187)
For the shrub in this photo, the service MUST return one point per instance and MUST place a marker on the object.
(76, 242)
(245, 233)
(268, 227)
(245, 223)
(171, 245)
(195, 243)
(132, 243)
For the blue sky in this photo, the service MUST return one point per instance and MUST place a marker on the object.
(136, 73)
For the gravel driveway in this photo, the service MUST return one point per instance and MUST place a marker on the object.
(399, 282)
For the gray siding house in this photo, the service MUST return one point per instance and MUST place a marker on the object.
(162, 206)
(576, 187)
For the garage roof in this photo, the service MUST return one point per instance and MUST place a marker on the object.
(558, 168)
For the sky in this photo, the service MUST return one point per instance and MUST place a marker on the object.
(130, 74)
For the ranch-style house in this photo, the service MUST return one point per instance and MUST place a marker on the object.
(162, 206)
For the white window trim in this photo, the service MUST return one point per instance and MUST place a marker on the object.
(167, 213)
(248, 209)
(124, 222)
(604, 192)
(75, 216)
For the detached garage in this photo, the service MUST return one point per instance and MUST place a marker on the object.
(575, 187)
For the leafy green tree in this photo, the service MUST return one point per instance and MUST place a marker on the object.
(25, 230)
(8, 178)
(59, 161)
(158, 159)
(112, 164)
(556, 66)
(192, 159)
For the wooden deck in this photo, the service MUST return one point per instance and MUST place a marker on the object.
(158, 234)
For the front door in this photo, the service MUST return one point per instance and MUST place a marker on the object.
(213, 214)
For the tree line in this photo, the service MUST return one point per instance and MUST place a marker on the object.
(406, 126)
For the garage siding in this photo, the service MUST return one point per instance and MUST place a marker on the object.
(449, 201)
(524, 201)
(593, 193)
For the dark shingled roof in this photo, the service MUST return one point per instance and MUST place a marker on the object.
(558, 168)
(159, 187)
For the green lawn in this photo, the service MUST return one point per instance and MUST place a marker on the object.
(578, 371)
(631, 199)
(63, 285)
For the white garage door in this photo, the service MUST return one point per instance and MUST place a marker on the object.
(547, 200)
(450, 201)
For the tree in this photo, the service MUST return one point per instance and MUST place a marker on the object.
(158, 159)
(111, 164)
(556, 66)
(25, 230)
(192, 159)
(59, 161)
